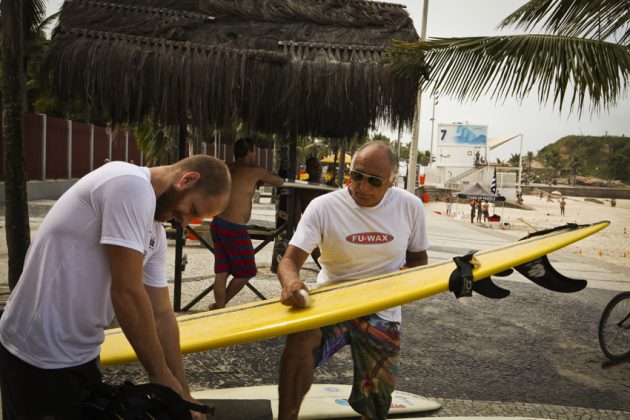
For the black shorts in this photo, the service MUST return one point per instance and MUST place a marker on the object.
(29, 392)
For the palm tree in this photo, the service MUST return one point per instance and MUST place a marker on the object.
(530, 159)
(583, 53)
(19, 20)
(514, 159)
(553, 161)
(575, 162)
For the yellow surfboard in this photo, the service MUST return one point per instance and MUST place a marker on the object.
(260, 320)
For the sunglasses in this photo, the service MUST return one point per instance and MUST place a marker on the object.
(375, 181)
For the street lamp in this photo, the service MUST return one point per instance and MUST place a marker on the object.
(435, 102)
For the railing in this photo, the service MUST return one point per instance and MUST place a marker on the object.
(56, 148)
(454, 181)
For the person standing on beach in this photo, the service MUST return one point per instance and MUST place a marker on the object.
(449, 204)
(485, 208)
(473, 209)
(562, 206)
(100, 252)
(479, 211)
(233, 250)
(339, 222)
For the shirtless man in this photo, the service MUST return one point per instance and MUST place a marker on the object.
(233, 250)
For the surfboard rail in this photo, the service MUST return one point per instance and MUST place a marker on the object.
(335, 303)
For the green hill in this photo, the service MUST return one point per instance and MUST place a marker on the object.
(606, 157)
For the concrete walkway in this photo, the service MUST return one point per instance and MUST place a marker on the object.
(533, 354)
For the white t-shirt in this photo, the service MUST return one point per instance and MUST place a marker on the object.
(358, 242)
(56, 315)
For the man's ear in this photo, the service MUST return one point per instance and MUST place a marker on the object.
(187, 180)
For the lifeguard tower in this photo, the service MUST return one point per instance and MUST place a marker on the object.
(461, 160)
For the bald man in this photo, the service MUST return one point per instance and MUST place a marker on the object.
(397, 238)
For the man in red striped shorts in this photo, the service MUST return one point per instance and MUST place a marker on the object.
(234, 253)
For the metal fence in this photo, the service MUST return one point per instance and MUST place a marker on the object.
(56, 148)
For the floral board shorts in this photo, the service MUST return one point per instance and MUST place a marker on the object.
(375, 348)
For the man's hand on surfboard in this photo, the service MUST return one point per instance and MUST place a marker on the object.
(291, 295)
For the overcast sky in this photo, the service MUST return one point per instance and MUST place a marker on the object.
(539, 125)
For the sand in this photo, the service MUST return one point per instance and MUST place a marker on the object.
(612, 245)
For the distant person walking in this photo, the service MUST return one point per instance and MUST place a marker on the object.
(562, 206)
(449, 204)
(473, 209)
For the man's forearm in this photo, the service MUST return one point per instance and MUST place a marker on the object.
(168, 334)
(135, 316)
(288, 272)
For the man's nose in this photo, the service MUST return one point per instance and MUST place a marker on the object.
(361, 184)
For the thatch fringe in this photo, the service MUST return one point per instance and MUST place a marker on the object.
(333, 53)
(144, 10)
(301, 76)
(129, 18)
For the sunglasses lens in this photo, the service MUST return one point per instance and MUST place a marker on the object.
(356, 176)
(374, 181)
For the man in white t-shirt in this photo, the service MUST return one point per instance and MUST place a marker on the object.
(100, 252)
(370, 228)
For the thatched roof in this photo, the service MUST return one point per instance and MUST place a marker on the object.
(294, 66)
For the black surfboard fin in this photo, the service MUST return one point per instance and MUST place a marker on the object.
(486, 287)
(541, 272)
(461, 281)
(504, 273)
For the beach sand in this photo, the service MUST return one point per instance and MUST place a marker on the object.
(612, 245)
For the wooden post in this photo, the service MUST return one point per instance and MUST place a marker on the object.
(179, 239)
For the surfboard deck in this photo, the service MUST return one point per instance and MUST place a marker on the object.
(323, 401)
(261, 320)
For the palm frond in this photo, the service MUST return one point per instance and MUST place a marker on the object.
(33, 13)
(597, 19)
(512, 66)
(156, 142)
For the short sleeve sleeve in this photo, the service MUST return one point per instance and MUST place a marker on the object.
(418, 239)
(127, 204)
(308, 234)
(154, 274)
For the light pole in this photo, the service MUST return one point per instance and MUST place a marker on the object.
(415, 134)
(435, 102)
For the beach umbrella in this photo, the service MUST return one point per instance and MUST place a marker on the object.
(331, 158)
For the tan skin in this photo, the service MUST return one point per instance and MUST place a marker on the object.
(144, 313)
(296, 368)
(246, 177)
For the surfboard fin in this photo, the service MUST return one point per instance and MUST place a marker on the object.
(541, 272)
(461, 280)
(486, 287)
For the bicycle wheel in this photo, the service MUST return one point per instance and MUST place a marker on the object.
(614, 327)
